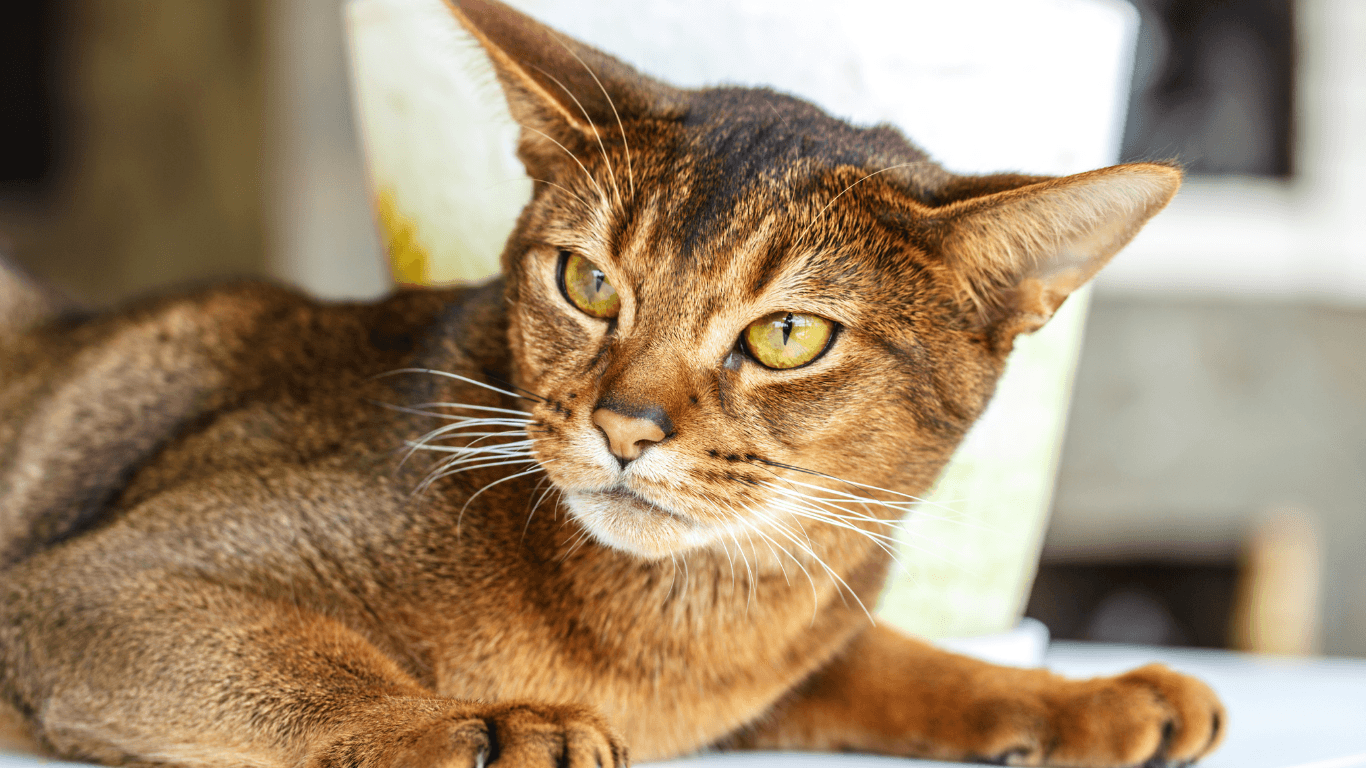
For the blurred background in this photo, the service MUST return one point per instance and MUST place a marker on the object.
(1212, 489)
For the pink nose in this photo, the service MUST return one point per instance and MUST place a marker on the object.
(627, 436)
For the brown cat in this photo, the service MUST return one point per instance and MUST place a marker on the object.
(727, 323)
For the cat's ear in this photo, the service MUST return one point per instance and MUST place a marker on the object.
(1019, 252)
(557, 87)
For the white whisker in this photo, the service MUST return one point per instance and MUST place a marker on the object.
(829, 571)
(629, 173)
(469, 407)
(532, 471)
(483, 449)
(596, 134)
(601, 192)
(438, 475)
(815, 594)
(458, 377)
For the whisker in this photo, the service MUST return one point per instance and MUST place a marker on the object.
(458, 377)
(516, 433)
(833, 575)
(576, 544)
(462, 449)
(843, 519)
(815, 594)
(417, 410)
(629, 174)
(532, 513)
(439, 474)
(464, 456)
(749, 574)
(771, 548)
(916, 507)
(835, 505)
(596, 134)
(449, 432)
(468, 422)
(916, 499)
(687, 577)
(566, 190)
(538, 468)
(822, 211)
(489, 374)
(470, 407)
(883, 542)
(601, 192)
(731, 559)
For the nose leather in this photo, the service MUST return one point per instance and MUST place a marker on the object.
(627, 436)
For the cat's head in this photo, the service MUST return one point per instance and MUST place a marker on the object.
(733, 304)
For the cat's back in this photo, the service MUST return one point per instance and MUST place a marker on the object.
(90, 404)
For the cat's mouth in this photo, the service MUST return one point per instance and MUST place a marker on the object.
(634, 502)
(625, 520)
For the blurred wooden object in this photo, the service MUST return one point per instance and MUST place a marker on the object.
(160, 166)
(1276, 608)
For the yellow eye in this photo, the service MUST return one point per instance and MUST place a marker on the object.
(586, 286)
(788, 339)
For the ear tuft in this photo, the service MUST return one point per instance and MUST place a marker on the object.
(1021, 252)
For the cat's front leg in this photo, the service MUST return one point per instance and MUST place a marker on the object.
(507, 735)
(894, 695)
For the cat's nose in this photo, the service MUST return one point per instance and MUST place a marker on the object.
(630, 433)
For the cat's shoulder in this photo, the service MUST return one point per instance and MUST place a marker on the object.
(87, 400)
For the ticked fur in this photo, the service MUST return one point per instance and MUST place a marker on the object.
(239, 526)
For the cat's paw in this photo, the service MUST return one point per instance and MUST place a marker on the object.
(1151, 717)
(497, 736)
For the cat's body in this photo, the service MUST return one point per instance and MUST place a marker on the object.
(213, 554)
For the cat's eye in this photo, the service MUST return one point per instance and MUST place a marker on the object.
(586, 286)
(788, 339)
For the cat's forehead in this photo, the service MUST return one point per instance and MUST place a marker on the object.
(767, 127)
(743, 160)
(759, 192)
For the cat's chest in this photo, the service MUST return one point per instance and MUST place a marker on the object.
(672, 678)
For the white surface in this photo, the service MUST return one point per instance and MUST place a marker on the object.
(1024, 646)
(1283, 713)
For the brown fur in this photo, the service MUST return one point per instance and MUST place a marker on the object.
(212, 553)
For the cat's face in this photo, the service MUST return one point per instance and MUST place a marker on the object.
(670, 306)
(739, 313)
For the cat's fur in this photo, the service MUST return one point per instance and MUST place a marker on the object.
(212, 554)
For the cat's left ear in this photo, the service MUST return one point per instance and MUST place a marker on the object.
(558, 89)
(1019, 253)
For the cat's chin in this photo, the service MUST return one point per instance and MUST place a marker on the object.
(627, 522)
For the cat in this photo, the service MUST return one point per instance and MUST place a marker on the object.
(629, 494)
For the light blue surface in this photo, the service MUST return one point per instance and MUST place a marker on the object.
(1282, 713)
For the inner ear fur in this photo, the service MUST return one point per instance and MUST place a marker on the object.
(1020, 252)
(556, 86)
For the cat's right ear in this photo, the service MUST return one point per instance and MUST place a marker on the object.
(1019, 252)
(558, 89)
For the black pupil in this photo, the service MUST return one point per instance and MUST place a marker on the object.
(787, 328)
(598, 278)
